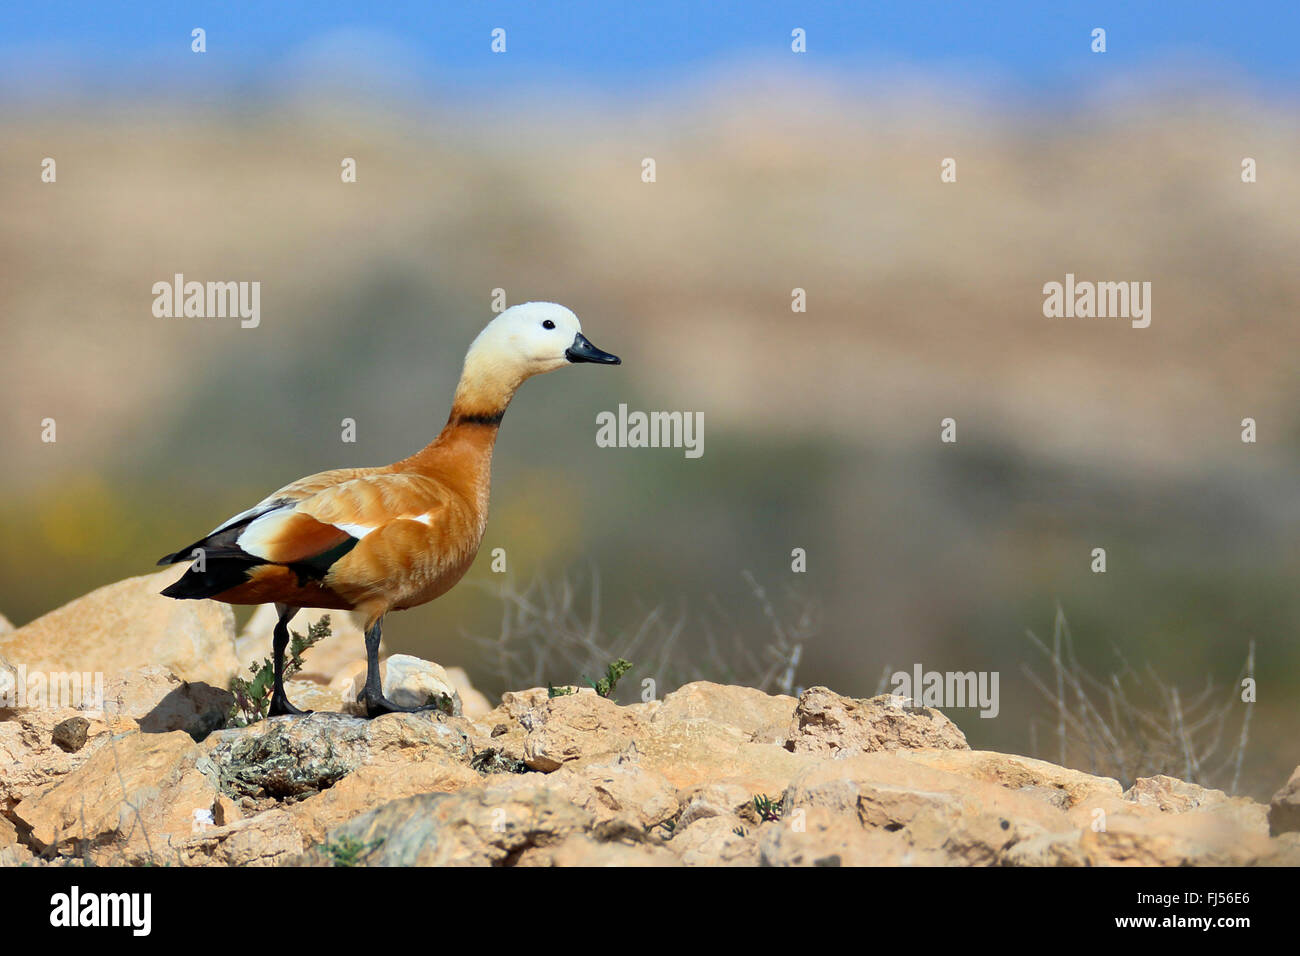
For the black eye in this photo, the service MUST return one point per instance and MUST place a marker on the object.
(548, 324)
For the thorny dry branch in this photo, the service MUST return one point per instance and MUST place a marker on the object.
(551, 631)
(1132, 725)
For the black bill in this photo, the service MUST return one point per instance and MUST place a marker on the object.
(583, 351)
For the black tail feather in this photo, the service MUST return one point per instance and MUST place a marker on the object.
(218, 575)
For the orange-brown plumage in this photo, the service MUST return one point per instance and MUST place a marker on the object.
(392, 537)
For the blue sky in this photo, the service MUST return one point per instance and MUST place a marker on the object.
(1030, 45)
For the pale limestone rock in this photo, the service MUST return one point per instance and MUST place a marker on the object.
(826, 723)
(483, 826)
(698, 751)
(724, 840)
(1284, 808)
(425, 676)
(267, 839)
(8, 832)
(8, 681)
(1182, 839)
(711, 800)
(411, 682)
(225, 811)
(971, 821)
(309, 695)
(610, 789)
(132, 802)
(521, 706)
(761, 717)
(30, 758)
(1171, 795)
(16, 855)
(645, 709)
(373, 785)
(126, 626)
(625, 786)
(1059, 786)
(823, 838)
(578, 849)
(159, 702)
(577, 726)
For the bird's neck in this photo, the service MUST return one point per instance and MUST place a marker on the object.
(467, 440)
(483, 395)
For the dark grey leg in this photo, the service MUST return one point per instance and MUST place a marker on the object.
(280, 706)
(372, 696)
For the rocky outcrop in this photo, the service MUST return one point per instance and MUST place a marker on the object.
(1284, 808)
(138, 797)
(826, 723)
(160, 702)
(711, 775)
(31, 758)
(126, 626)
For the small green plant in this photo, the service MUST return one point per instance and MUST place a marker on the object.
(442, 703)
(253, 697)
(605, 685)
(349, 851)
(768, 810)
(553, 691)
(739, 831)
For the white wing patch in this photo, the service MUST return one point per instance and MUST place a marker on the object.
(263, 529)
(357, 531)
(255, 537)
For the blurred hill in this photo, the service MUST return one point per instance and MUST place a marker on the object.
(924, 301)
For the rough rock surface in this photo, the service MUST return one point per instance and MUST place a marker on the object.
(128, 625)
(160, 702)
(8, 680)
(294, 757)
(826, 723)
(131, 802)
(711, 775)
(487, 826)
(411, 682)
(1284, 808)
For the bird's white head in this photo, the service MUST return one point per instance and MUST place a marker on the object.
(523, 341)
(533, 338)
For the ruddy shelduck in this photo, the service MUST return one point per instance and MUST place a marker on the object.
(375, 540)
